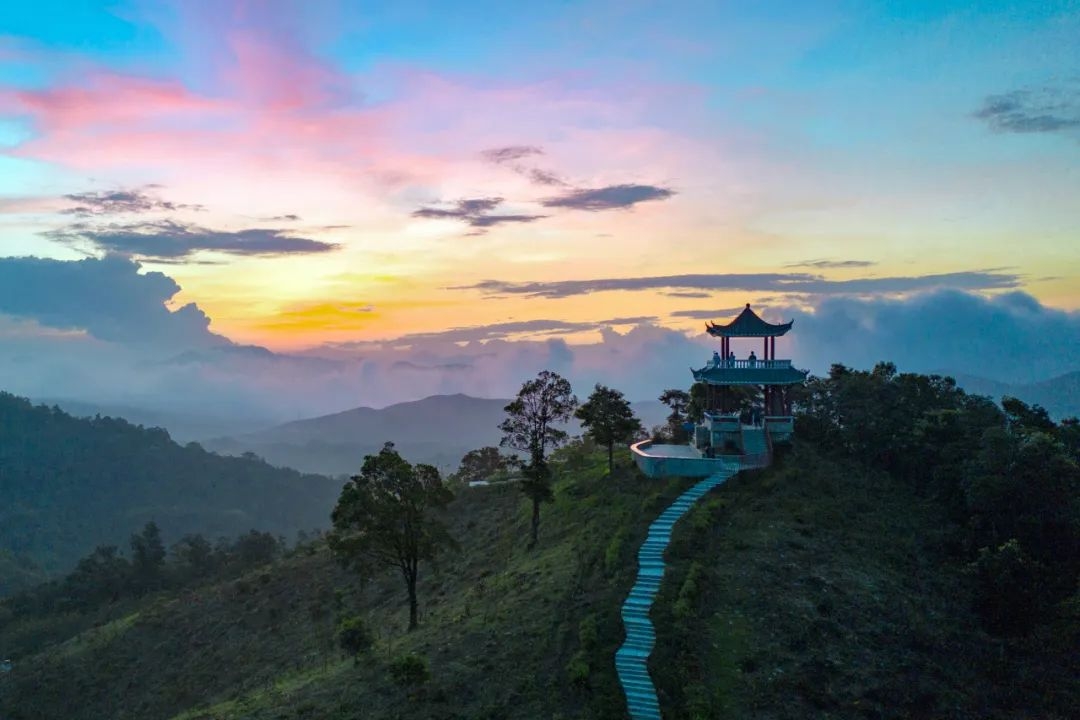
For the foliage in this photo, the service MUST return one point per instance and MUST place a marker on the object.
(608, 419)
(530, 426)
(70, 484)
(695, 409)
(385, 517)
(354, 636)
(1009, 598)
(1007, 476)
(678, 401)
(147, 558)
(410, 670)
(482, 464)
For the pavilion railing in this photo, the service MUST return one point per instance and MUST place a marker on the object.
(750, 364)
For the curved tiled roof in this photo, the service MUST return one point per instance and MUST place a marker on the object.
(748, 324)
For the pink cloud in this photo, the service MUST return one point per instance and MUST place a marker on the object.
(272, 109)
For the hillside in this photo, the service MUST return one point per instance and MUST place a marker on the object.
(500, 626)
(70, 484)
(183, 427)
(437, 430)
(1060, 395)
(822, 588)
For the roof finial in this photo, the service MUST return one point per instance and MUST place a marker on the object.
(747, 306)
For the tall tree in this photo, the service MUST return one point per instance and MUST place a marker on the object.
(678, 401)
(530, 427)
(608, 419)
(147, 557)
(386, 517)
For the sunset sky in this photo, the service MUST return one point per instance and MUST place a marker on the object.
(322, 175)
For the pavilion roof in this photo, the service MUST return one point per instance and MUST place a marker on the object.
(748, 324)
(780, 373)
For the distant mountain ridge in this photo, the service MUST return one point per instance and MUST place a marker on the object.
(438, 429)
(1060, 395)
(68, 484)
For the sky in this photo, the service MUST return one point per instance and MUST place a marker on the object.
(296, 208)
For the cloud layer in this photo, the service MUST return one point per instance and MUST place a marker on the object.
(61, 336)
(116, 202)
(611, 197)
(1033, 110)
(797, 283)
(170, 239)
(475, 212)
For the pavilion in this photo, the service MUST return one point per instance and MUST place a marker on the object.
(729, 428)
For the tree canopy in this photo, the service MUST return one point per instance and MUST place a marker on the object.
(531, 427)
(1008, 476)
(386, 516)
(482, 463)
(608, 419)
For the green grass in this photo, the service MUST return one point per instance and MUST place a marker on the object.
(829, 594)
(820, 590)
(500, 625)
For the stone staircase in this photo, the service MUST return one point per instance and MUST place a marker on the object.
(631, 659)
(755, 446)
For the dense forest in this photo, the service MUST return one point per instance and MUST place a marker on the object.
(914, 554)
(70, 484)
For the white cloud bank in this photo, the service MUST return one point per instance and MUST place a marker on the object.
(99, 331)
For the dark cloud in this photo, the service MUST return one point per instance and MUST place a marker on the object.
(804, 283)
(282, 218)
(116, 202)
(108, 298)
(474, 212)
(707, 314)
(510, 153)
(612, 197)
(502, 331)
(688, 294)
(543, 177)
(832, 264)
(170, 239)
(484, 221)
(1033, 110)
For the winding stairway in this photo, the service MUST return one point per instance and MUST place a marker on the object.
(632, 657)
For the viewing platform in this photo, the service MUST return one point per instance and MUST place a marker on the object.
(750, 372)
(664, 460)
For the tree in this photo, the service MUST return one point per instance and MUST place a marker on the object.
(354, 637)
(530, 427)
(481, 464)
(147, 557)
(678, 401)
(385, 517)
(195, 555)
(608, 419)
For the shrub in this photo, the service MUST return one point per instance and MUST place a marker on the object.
(353, 636)
(1007, 593)
(577, 670)
(614, 552)
(588, 634)
(409, 670)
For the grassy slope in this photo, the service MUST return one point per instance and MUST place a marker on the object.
(824, 591)
(827, 591)
(500, 626)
